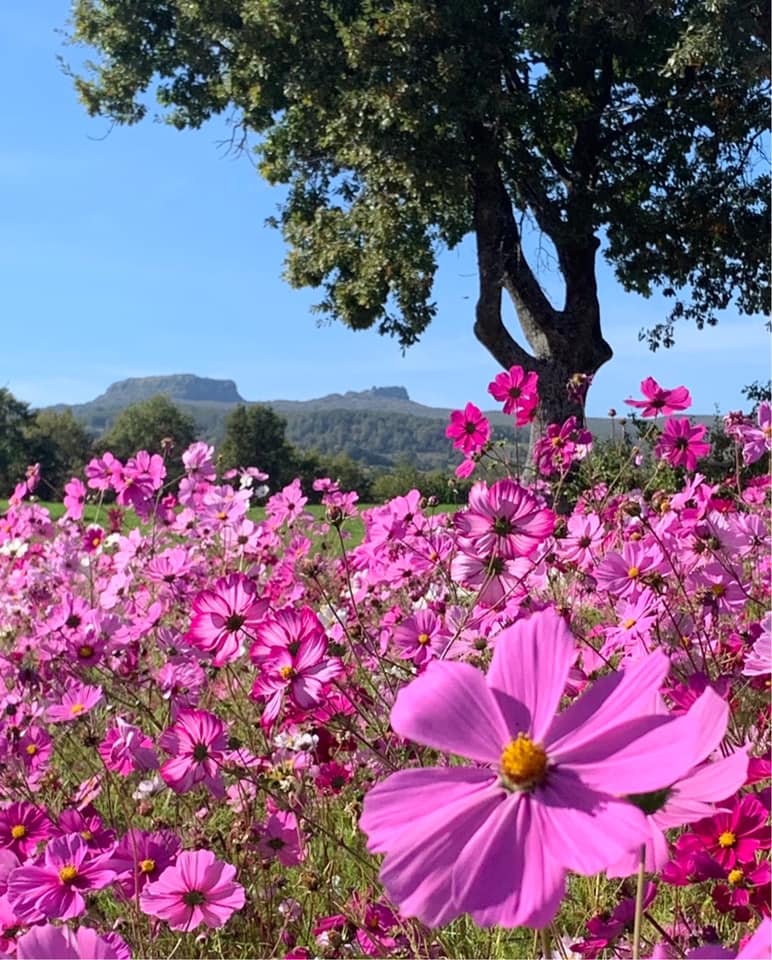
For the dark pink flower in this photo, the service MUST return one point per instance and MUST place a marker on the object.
(658, 400)
(680, 444)
(734, 835)
(469, 429)
(141, 857)
(280, 838)
(197, 742)
(197, 889)
(74, 499)
(518, 391)
(126, 748)
(225, 617)
(22, 827)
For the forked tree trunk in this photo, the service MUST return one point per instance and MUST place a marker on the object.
(562, 343)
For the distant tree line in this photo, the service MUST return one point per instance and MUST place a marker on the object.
(254, 435)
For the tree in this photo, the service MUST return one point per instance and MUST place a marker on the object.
(147, 426)
(15, 451)
(59, 443)
(254, 437)
(401, 126)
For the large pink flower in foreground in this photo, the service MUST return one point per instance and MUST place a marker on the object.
(497, 840)
(197, 889)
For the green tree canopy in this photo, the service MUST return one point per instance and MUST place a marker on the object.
(15, 451)
(254, 437)
(59, 443)
(148, 426)
(400, 126)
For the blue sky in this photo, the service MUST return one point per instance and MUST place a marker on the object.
(143, 251)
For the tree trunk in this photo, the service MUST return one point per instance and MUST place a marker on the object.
(563, 343)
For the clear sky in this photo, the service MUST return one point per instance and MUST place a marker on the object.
(141, 251)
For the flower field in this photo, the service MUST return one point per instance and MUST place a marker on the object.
(524, 729)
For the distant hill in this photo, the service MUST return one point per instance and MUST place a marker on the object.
(378, 427)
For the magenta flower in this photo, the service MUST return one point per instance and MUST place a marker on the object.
(197, 889)
(518, 391)
(78, 698)
(22, 827)
(126, 748)
(505, 520)
(497, 840)
(658, 400)
(141, 858)
(469, 429)
(300, 669)
(54, 888)
(224, 617)
(420, 637)
(734, 835)
(280, 838)
(197, 742)
(680, 444)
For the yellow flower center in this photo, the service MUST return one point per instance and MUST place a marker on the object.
(85, 651)
(718, 589)
(287, 673)
(423, 639)
(633, 573)
(77, 708)
(629, 623)
(68, 874)
(727, 839)
(87, 835)
(95, 541)
(523, 763)
(18, 831)
(147, 866)
(31, 749)
(735, 876)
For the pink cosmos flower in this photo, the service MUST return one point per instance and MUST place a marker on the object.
(280, 838)
(22, 827)
(299, 669)
(74, 499)
(420, 637)
(757, 440)
(54, 888)
(78, 698)
(103, 472)
(141, 858)
(658, 400)
(287, 505)
(496, 840)
(734, 835)
(48, 942)
(561, 446)
(680, 444)
(506, 520)
(197, 889)
(518, 391)
(224, 617)
(197, 742)
(469, 429)
(126, 748)
(759, 660)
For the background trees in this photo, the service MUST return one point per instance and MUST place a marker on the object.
(146, 426)
(402, 126)
(254, 437)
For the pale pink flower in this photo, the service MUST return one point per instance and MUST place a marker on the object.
(76, 701)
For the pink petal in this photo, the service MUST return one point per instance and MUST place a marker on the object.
(535, 902)
(411, 795)
(609, 702)
(587, 831)
(417, 872)
(530, 666)
(451, 708)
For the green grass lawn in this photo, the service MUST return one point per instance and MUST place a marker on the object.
(354, 526)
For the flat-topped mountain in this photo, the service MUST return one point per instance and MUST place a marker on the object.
(183, 387)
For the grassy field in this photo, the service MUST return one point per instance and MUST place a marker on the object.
(94, 514)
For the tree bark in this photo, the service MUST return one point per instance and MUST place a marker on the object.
(562, 343)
